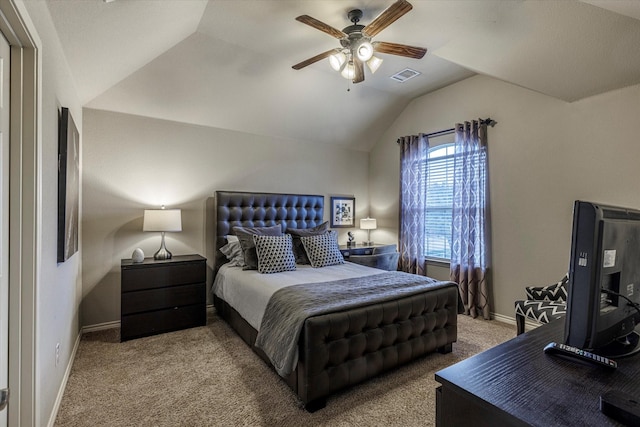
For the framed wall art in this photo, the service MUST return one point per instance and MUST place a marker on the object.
(68, 185)
(343, 212)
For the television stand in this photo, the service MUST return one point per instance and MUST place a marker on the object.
(517, 384)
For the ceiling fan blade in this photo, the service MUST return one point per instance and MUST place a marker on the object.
(319, 25)
(399, 49)
(387, 17)
(313, 60)
(359, 71)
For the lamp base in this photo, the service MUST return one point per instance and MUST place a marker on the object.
(367, 243)
(163, 252)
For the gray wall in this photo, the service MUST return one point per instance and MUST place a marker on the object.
(543, 154)
(133, 163)
(58, 286)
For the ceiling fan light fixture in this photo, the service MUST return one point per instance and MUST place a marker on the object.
(374, 63)
(349, 71)
(357, 47)
(338, 61)
(364, 51)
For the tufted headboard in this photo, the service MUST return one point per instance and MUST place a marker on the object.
(236, 208)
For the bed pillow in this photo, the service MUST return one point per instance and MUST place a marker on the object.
(275, 253)
(233, 252)
(298, 247)
(322, 249)
(245, 235)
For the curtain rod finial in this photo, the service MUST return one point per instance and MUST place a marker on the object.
(489, 121)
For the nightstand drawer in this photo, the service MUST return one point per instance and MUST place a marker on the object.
(356, 251)
(384, 257)
(155, 299)
(154, 322)
(160, 276)
(361, 251)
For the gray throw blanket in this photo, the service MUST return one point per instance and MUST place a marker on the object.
(289, 307)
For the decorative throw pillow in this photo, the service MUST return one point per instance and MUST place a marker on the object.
(233, 252)
(323, 249)
(298, 247)
(245, 235)
(275, 253)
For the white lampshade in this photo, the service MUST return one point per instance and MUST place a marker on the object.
(349, 72)
(368, 224)
(162, 220)
(364, 51)
(374, 63)
(337, 61)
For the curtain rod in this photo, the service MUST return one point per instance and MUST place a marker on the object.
(488, 121)
(440, 132)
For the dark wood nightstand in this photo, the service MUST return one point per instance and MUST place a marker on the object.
(162, 296)
(347, 251)
(378, 256)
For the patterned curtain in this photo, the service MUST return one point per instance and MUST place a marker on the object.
(413, 194)
(470, 251)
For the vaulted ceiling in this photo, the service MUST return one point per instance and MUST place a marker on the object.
(227, 63)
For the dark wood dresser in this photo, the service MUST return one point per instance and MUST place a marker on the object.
(517, 384)
(162, 296)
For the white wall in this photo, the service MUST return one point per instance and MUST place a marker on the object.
(543, 154)
(132, 163)
(58, 287)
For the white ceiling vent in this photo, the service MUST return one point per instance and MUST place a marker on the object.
(404, 75)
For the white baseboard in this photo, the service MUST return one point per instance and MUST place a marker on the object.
(502, 318)
(116, 324)
(63, 385)
(100, 326)
(528, 324)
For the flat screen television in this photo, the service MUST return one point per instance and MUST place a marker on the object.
(604, 280)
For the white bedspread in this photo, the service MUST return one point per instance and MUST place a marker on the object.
(249, 291)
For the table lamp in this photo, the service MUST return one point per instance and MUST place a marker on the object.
(368, 224)
(162, 220)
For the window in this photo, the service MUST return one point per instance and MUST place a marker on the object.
(439, 203)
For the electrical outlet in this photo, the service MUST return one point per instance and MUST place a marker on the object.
(57, 353)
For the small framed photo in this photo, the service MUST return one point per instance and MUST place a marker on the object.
(343, 212)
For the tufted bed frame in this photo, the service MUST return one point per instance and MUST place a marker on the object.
(372, 339)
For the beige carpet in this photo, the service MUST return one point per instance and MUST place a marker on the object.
(207, 376)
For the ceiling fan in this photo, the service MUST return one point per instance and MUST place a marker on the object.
(357, 48)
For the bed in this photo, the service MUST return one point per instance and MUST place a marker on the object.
(340, 344)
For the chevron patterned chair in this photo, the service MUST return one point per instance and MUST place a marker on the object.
(543, 303)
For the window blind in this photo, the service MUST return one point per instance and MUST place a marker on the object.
(439, 201)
